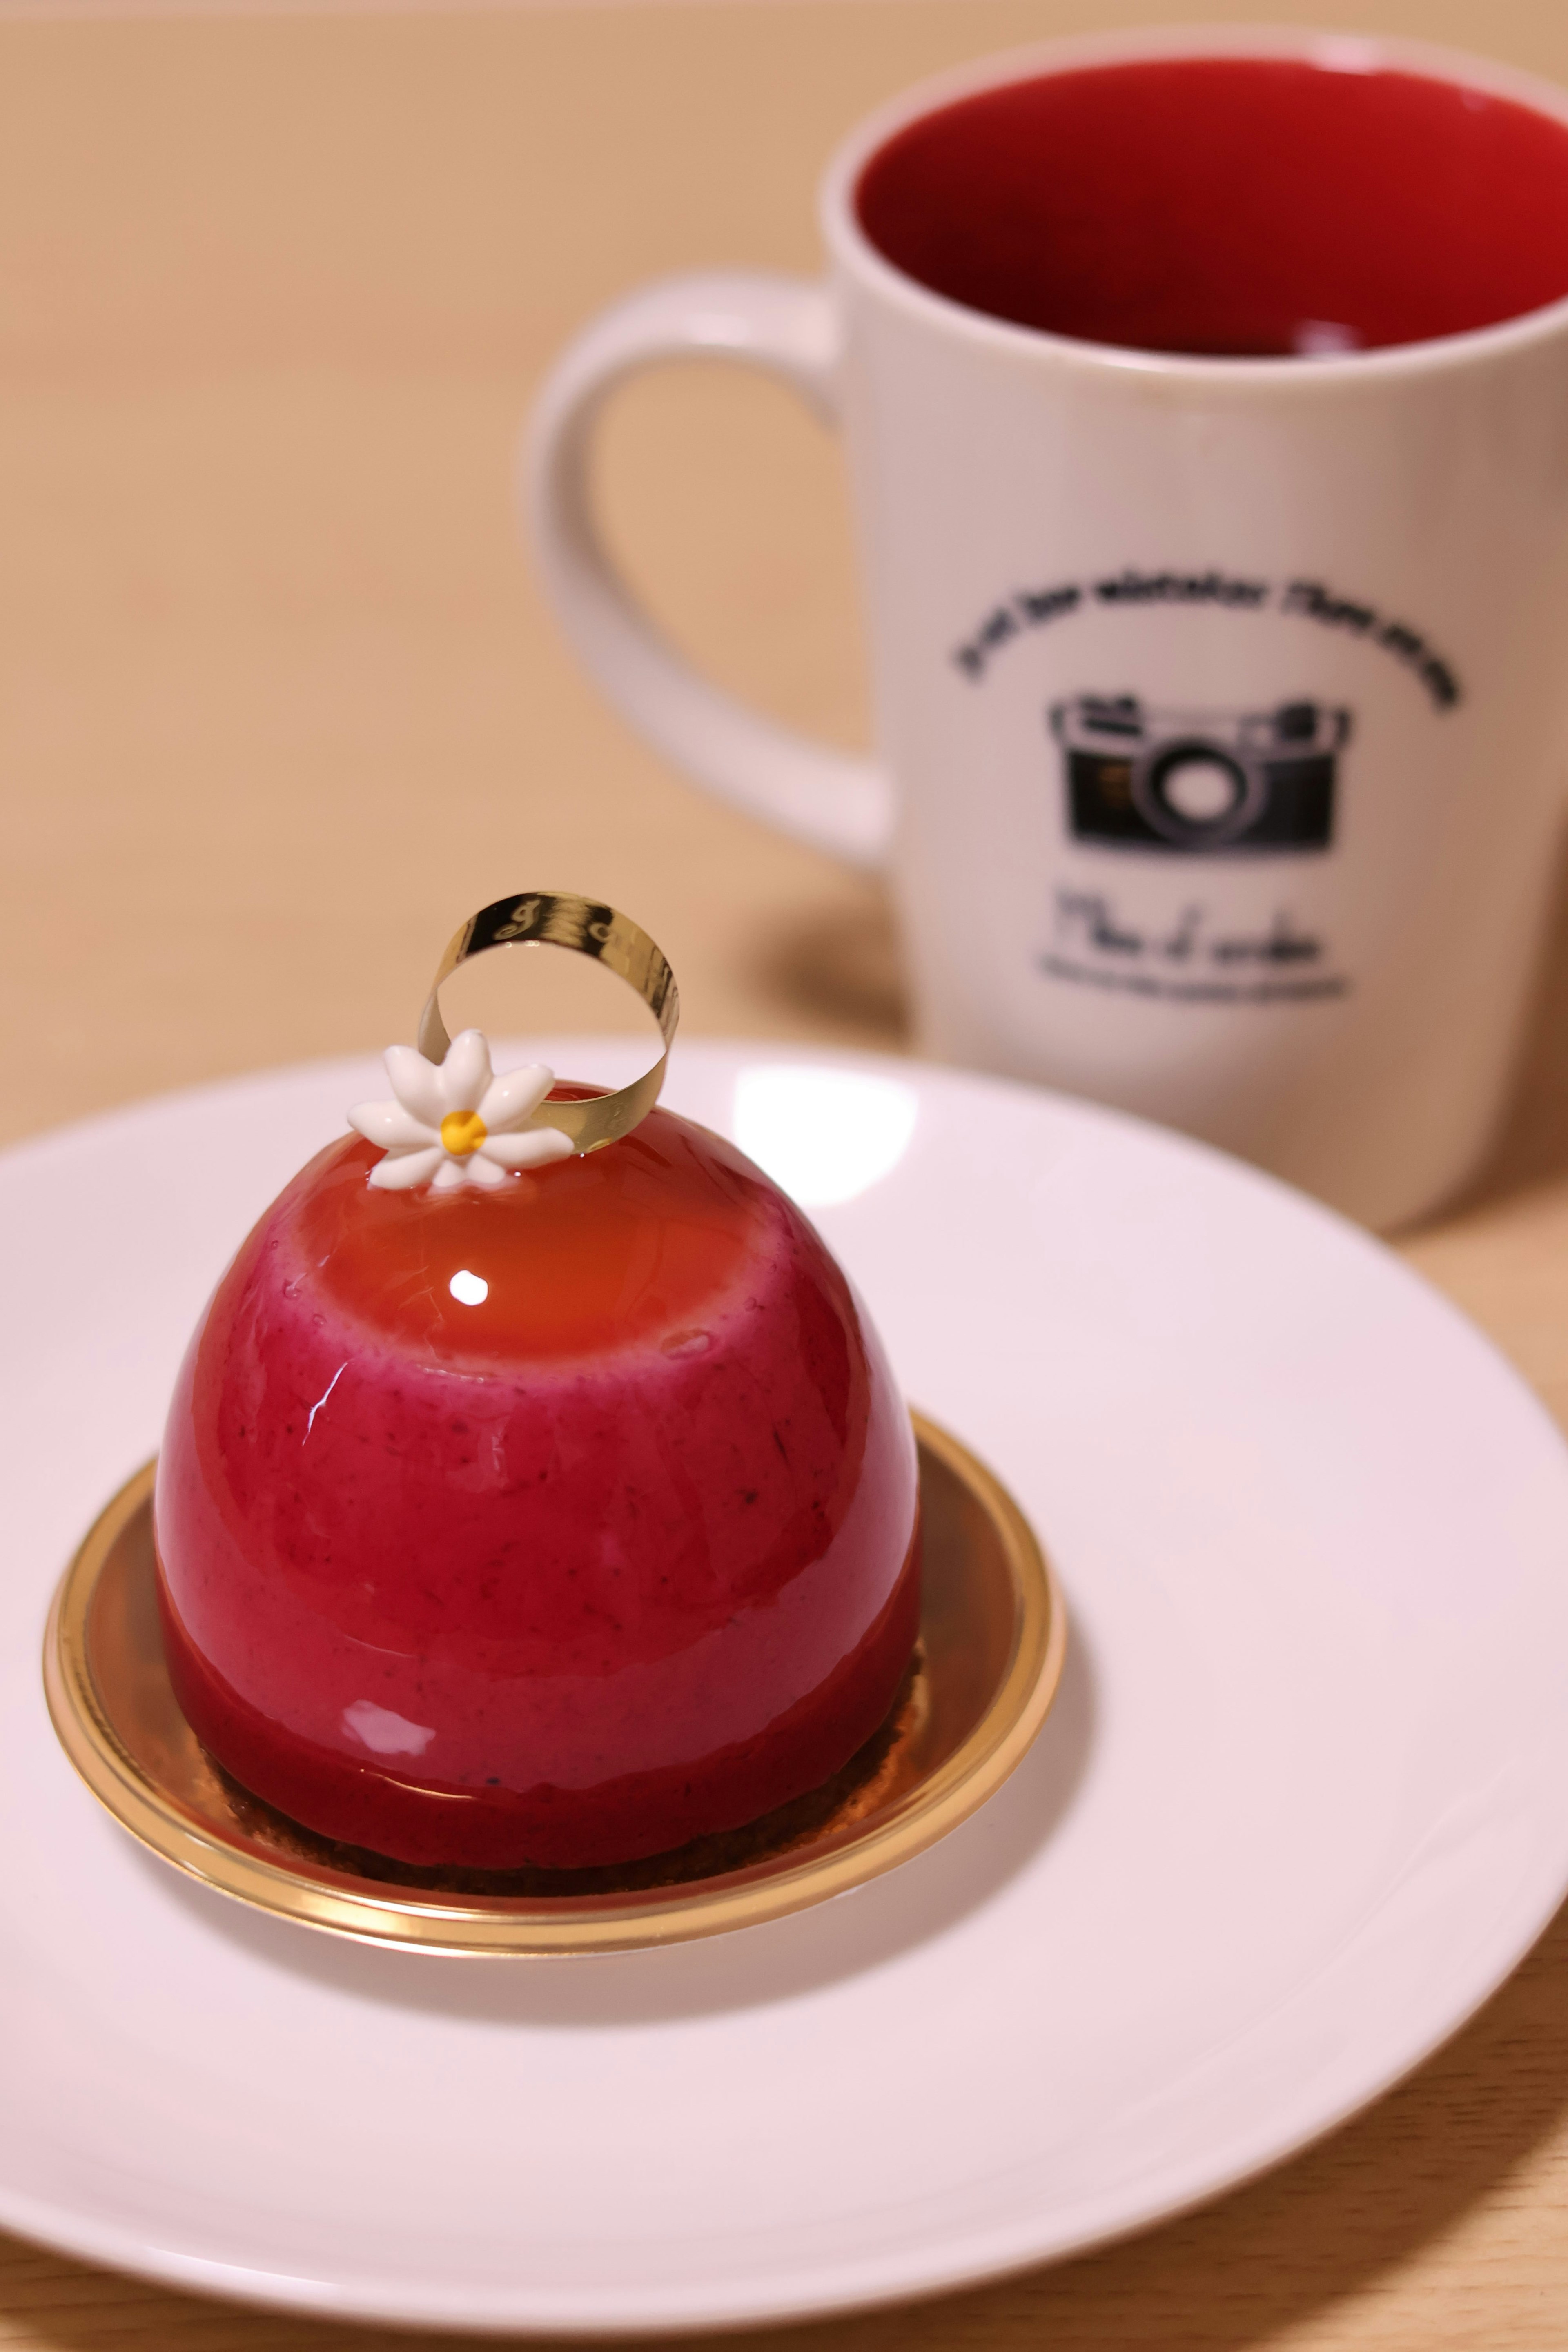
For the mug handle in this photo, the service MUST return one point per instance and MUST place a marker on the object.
(789, 327)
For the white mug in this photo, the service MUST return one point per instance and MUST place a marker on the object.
(1222, 692)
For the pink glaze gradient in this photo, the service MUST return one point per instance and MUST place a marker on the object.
(624, 1553)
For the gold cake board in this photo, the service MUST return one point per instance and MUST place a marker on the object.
(992, 1638)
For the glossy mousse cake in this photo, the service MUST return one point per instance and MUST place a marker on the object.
(535, 1509)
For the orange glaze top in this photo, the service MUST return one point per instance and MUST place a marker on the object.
(630, 1245)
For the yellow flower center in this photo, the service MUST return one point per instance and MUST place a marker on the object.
(462, 1132)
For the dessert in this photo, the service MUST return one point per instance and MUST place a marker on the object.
(523, 1504)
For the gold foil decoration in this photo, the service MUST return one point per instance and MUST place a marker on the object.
(558, 919)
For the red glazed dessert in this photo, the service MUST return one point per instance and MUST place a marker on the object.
(553, 1520)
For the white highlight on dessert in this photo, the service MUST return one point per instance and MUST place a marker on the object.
(384, 1733)
(458, 1123)
(321, 1399)
(824, 1135)
(468, 1289)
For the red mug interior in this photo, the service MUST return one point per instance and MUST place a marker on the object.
(1234, 207)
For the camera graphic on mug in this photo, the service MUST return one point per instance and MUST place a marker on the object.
(1199, 781)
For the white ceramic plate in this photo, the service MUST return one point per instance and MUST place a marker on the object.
(1302, 1803)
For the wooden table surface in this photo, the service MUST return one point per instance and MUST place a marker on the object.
(279, 705)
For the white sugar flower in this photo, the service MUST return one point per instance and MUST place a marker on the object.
(457, 1124)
